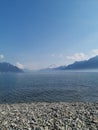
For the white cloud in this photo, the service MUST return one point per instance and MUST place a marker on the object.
(94, 52)
(1, 57)
(19, 65)
(77, 57)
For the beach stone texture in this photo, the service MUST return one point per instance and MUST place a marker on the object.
(49, 116)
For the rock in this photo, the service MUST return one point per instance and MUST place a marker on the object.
(49, 116)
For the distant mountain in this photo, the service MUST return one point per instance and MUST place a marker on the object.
(7, 67)
(92, 63)
(52, 66)
(60, 68)
(49, 68)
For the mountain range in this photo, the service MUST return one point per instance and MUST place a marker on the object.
(7, 67)
(91, 63)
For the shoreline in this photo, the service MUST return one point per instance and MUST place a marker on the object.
(49, 116)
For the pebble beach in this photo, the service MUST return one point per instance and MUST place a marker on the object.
(49, 116)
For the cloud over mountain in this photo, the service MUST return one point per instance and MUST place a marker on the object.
(94, 52)
(19, 65)
(1, 56)
(77, 57)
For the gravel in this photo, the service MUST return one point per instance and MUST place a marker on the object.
(49, 116)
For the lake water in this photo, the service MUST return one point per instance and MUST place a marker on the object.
(50, 87)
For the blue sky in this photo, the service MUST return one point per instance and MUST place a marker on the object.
(38, 33)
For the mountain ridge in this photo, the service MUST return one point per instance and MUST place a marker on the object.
(91, 63)
(6, 67)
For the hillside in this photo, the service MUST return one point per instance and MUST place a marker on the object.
(7, 67)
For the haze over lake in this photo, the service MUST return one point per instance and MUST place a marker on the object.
(49, 86)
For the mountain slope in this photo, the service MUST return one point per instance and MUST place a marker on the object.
(88, 64)
(92, 63)
(7, 67)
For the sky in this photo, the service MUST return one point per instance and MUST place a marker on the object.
(35, 34)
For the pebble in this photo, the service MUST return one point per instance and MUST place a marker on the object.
(49, 116)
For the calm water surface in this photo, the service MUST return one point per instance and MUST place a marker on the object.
(50, 87)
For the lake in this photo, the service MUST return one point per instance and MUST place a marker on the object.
(49, 87)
